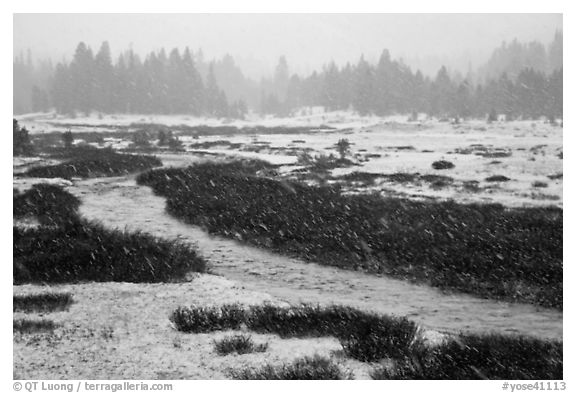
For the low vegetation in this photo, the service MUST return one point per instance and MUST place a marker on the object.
(240, 344)
(556, 176)
(29, 326)
(484, 249)
(45, 302)
(84, 251)
(370, 337)
(497, 178)
(442, 164)
(21, 143)
(480, 357)
(539, 184)
(71, 249)
(364, 336)
(49, 203)
(307, 368)
(89, 162)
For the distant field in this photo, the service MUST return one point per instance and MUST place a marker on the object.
(529, 153)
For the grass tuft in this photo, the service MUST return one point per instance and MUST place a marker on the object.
(480, 357)
(307, 368)
(442, 164)
(497, 178)
(30, 326)
(45, 302)
(240, 344)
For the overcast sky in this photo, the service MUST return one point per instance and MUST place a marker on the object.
(307, 40)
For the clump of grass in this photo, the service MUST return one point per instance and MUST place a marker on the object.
(51, 204)
(89, 162)
(307, 368)
(480, 357)
(402, 177)
(471, 186)
(29, 326)
(240, 344)
(442, 164)
(556, 176)
(361, 177)
(496, 154)
(497, 178)
(474, 248)
(45, 302)
(81, 251)
(209, 319)
(539, 184)
(364, 336)
(437, 181)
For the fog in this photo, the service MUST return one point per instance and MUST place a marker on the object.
(307, 40)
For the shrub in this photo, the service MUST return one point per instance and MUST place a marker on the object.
(539, 184)
(442, 164)
(21, 144)
(89, 162)
(240, 344)
(141, 139)
(343, 147)
(51, 204)
(27, 326)
(68, 139)
(372, 340)
(364, 336)
(83, 251)
(362, 177)
(492, 116)
(481, 357)
(208, 319)
(308, 368)
(497, 178)
(475, 248)
(45, 302)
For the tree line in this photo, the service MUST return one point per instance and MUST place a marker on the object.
(390, 87)
(160, 84)
(184, 83)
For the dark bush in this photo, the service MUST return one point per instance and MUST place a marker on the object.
(209, 319)
(83, 251)
(481, 357)
(497, 178)
(442, 164)
(307, 368)
(475, 248)
(51, 204)
(29, 326)
(240, 344)
(89, 162)
(539, 184)
(364, 336)
(45, 302)
(21, 143)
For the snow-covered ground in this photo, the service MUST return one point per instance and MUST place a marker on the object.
(527, 152)
(47, 122)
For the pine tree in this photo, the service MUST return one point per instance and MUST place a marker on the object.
(82, 80)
